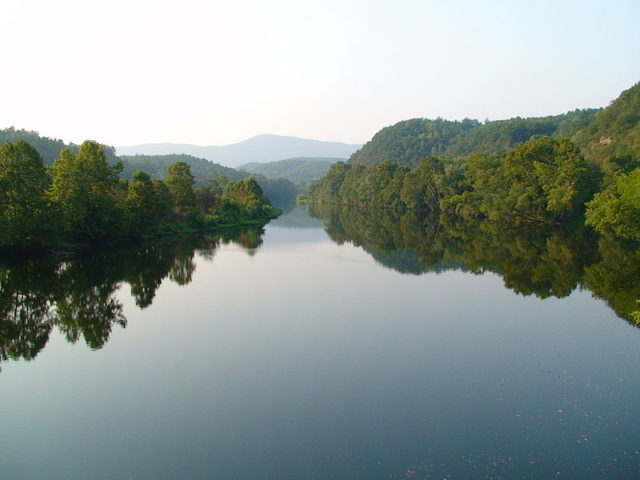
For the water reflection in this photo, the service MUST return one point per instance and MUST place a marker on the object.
(78, 295)
(545, 262)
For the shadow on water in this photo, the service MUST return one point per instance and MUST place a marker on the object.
(545, 262)
(78, 295)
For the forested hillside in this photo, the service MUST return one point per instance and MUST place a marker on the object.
(613, 135)
(542, 180)
(48, 148)
(301, 171)
(157, 165)
(409, 141)
(532, 170)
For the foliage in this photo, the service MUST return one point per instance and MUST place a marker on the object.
(518, 170)
(23, 183)
(207, 175)
(248, 196)
(612, 138)
(180, 184)
(544, 179)
(547, 178)
(499, 136)
(407, 142)
(616, 210)
(48, 148)
(81, 200)
(143, 204)
(300, 171)
(157, 167)
(82, 191)
(279, 191)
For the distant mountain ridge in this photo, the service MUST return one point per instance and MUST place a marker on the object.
(258, 149)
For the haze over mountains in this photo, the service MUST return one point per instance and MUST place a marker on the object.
(258, 149)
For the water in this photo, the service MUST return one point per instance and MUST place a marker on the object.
(380, 353)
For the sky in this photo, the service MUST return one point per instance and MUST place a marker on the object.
(211, 72)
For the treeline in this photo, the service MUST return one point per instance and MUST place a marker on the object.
(80, 199)
(277, 188)
(512, 174)
(207, 174)
(543, 180)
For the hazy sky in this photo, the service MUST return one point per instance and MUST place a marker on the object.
(216, 72)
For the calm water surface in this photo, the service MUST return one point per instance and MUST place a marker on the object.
(293, 355)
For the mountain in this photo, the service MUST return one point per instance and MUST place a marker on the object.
(301, 170)
(260, 149)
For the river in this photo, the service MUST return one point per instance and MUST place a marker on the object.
(351, 346)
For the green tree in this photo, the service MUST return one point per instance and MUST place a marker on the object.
(141, 204)
(164, 199)
(422, 188)
(248, 196)
(23, 183)
(548, 178)
(180, 183)
(616, 210)
(82, 192)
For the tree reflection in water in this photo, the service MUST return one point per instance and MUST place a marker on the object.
(543, 261)
(78, 295)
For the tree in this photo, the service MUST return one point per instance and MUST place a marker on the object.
(616, 210)
(141, 203)
(164, 199)
(82, 192)
(23, 182)
(422, 186)
(248, 195)
(548, 179)
(180, 183)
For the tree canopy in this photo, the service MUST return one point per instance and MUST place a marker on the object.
(80, 199)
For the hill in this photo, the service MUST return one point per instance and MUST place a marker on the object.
(613, 135)
(156, 166)
(207, 174)
(407, 142)
(259, 149)
(301, 171)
